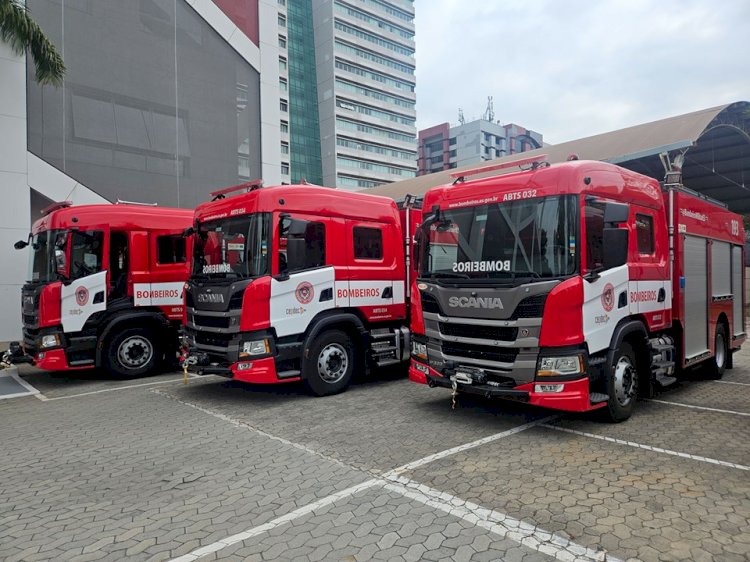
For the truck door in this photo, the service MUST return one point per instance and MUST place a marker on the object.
(650, 287)
(86, 291)
(305, 278)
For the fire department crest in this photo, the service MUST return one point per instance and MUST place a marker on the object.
(304, 292)
(608, 297)
(82, 296)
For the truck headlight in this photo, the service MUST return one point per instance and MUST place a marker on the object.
(419, 350)
(50, 341)
(553, 366)
(257, 347)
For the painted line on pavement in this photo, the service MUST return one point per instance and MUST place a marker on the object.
(460, 448)
(291, 516)
(46, 399)
(732, 382)
(650, 448)
(12, 373)
(701, 408)
(505, 526)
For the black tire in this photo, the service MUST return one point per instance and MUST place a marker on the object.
(714, 368)
(132, 353)
(622, 385)
(329, 367)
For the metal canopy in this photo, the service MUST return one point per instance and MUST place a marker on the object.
(716, 143)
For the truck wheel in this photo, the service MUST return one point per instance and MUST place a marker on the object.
(622, 385)
(715, 366)
(328, 368)
(132, 353)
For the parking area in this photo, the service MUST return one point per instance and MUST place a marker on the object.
(153, 469)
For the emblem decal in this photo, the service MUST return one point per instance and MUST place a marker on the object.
(304, 292)
(82, 296)
(608, 297)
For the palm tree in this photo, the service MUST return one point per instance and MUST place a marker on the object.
(22, 33)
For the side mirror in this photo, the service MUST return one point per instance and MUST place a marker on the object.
(20, 245)
(615, 213)
(297, 227)
(189, 231)
(615, 241)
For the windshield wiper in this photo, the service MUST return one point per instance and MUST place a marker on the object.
(533, 274)
(436, 274)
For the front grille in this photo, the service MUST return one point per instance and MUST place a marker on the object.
(483, 352)
(530, 307)
(30, 319)
(430, 304)
(212, 339)
(479, 332)
(210, 321)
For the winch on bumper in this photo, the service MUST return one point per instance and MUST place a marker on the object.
(469, 380)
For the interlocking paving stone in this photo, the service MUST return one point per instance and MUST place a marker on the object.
(631, 502)
(387, 541)
(141, 474)
(710, 394)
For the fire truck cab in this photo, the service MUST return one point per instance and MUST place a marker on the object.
(104, 288)
(577, 286)
(297, 282)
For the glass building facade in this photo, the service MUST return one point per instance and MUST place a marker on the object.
(304, 119)
(156, 106)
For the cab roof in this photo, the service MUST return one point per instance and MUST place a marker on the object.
(587, 177)
(122, 216)
(311, 199)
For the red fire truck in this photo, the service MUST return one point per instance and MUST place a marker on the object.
(105, 287)
(298, 282)
(577, 286)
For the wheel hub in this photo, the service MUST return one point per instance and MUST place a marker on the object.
(624, 381)
(333, 362)
(135, 352)
(720, 350)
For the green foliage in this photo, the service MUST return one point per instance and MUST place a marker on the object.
(19, 31)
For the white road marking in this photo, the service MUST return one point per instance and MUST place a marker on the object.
(292, 515)
(12, 373)
(650, 448)
(460, 448)
(732, 382)
(701, 408)
(498, 523)
(46, 399)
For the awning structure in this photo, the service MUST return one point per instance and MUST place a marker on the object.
(715, 143)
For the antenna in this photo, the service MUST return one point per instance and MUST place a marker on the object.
(489, 113)
(461, 118)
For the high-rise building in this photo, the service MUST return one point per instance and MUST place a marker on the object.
(443, 147)
(163, 101)
(362, 132)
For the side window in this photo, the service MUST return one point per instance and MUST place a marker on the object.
(118, 262)
(302, 245)
(368, 243)
(86, 251)
(594, 217)
(644, 230)
(170, 249)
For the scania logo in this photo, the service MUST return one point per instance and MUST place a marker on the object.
(475, 302)
(28, 301)
(214, 298)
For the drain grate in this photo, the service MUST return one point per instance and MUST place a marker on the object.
(12, 386)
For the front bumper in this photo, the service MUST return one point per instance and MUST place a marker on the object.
(257, 371)
(575, 396)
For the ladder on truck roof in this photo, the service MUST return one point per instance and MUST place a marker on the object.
(538, 161)
(247, 187)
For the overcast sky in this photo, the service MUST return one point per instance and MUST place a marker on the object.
(573, 68)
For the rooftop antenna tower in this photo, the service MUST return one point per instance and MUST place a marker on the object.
(461, 118)
(489, 113)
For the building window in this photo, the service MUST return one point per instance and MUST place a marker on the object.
(285, 127)
(170, 249)
(282, 64)
(283, 84)
(282, 2)
(282, 42)
(644, 230)
(284, 169)
(282, 20)
(368, 243)
(284, 106)
(284, 147)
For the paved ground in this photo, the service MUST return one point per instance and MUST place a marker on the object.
(152, 469)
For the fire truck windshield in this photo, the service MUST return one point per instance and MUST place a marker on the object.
(47, 258)
(526, 238)
(235, 247)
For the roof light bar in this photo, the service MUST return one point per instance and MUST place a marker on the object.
(459, 176)
(55, 206)
(247, 186)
